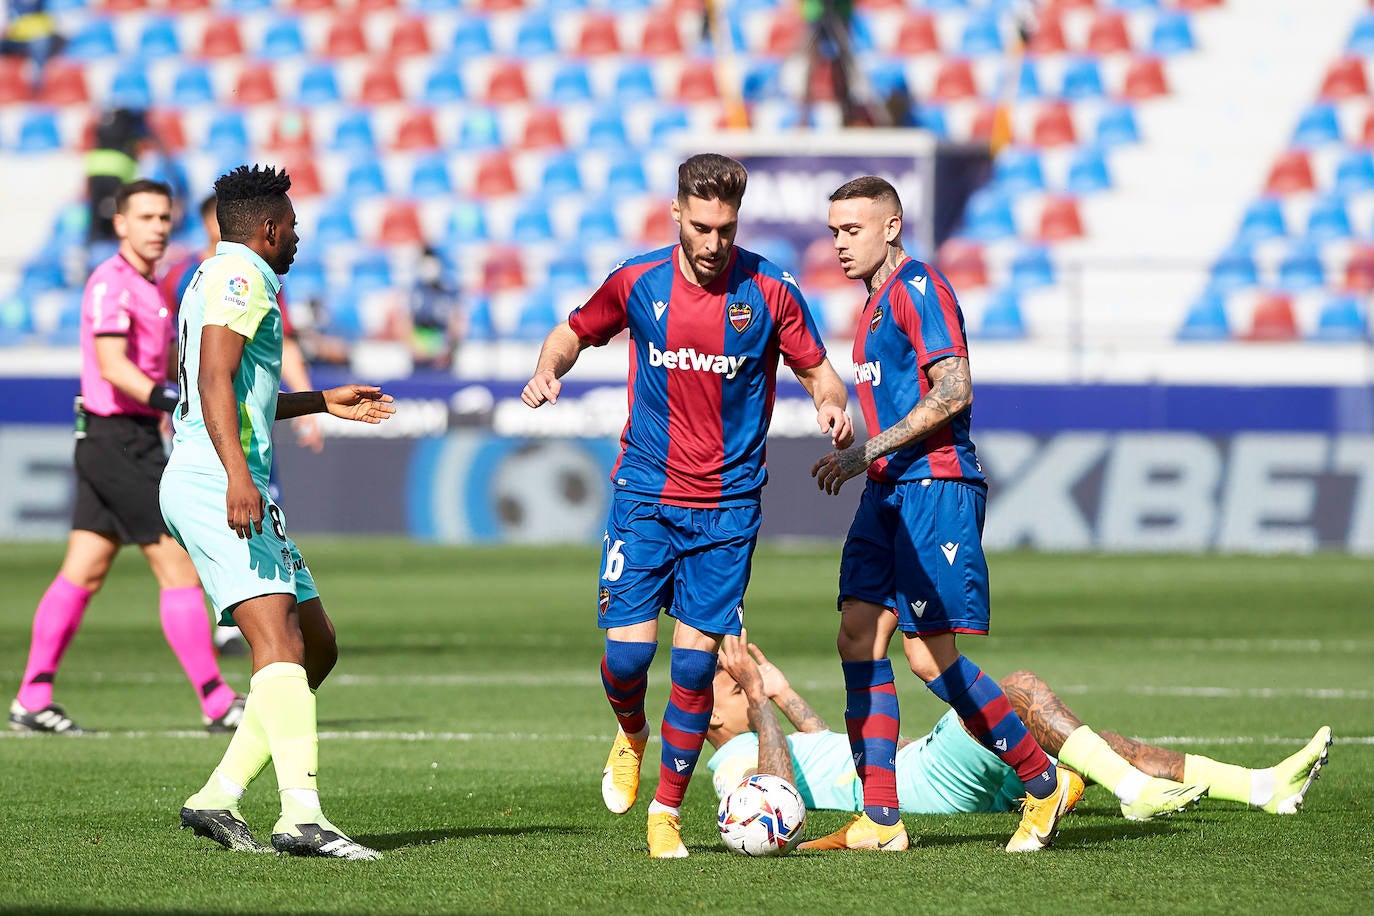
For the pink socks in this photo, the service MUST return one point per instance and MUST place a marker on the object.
(54, 624)
(187, 627)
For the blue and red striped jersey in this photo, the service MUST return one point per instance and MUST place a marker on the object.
(703, 369)
(909, 324)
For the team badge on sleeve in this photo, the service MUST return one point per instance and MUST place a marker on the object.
(741, 313)
(603, 600)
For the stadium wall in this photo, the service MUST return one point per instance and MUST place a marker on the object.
(1104, 467)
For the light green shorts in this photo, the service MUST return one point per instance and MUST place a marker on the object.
(948, 772)
(232, 569)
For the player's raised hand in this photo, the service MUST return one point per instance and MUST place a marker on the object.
(364, 403)
(735, 659)
(774, 681)
(544, 386)
(834, 422)
(834, 469)
(243, 506)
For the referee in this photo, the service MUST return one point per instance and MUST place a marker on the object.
(126, 350)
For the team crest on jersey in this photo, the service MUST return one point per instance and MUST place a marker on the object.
(741, 313)
(603, 600)
(876, 320)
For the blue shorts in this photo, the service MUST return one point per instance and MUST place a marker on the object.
(692, 562)
(232, 569)
(918, 548)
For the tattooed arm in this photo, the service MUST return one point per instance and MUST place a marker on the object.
(775, 685)
(951, 391)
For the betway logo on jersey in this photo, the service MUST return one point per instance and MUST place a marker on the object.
(689, 358)
(871, 371)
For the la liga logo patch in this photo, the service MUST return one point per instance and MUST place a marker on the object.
(238, 286)
(740, 314)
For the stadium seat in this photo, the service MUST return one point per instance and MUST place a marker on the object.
(1048, 37)
(1263, 220)
(562, 175)
(1053, 126)
(443, 85)
(669, 121)
(534, 36)
(94, 40)
(931, 118)
(658, 227)
(697, 82)
(306, 281)
(64, 83)
(1002, 319)
(761, 81)
(165, 123)
(416, 132)
(981, 35)
(1341, 319)
(255, 86)
(471, 38)
(502, 271)
(1318, 125)
(954, 81)
(1273, 319)
(1206, 319)
(597, 223)
(532, 222)
(14, 80)
(537, 316)
(606, 130)
(597, 36)
(343, 315)
(129, 88)
(660, 37)
(467, 223)
(371, 6)
(16, 321)
(1292, 173)
(543, 130)
(1082, 79)
(495, 176)
(1108, 33)
(1088, 172)
(1116, 126)
(365, 179)
(786, 32)
(369, 272)
(963, 264)
(319, 85)
(353, 133)
(38, 132)
(381, 84)
(290, 133)
(1144, 79)
(41, 276)
(1016, 170)
(479, 129)
(916, 35)
(192, 86)
(283, 38)
(345, 37)
(1359, 269)
(244, 7)
(566, 271)
(1345, 79)
(305, 176)
(480, 327)
(988, 216)
(1361, 40)
(627, 177)
(1172, 33)
(159, 38)
(1028, 79)
(635, 83)
(227, 133)
(1328, 219)
(221, 39)
(570, 83)
(1060, 220)
(335, 224)
(506, 83)
(1031, 268)
(1234, 269)
(1301, 269)
(429, 177)
(409, 38)
(310, 6)
(400, 225)
(67, 332)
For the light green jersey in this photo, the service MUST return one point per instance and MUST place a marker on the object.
(237, 290)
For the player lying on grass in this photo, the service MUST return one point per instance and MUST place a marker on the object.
(948, 772)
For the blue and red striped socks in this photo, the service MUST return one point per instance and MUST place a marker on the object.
(979, 701)
(872, 718)
(625, 675)
(685, 722)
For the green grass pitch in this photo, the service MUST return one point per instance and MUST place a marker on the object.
(464, 731)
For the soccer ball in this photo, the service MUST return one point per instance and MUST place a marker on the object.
(762, 816)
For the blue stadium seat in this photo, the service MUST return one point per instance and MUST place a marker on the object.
(534, 36)
(562, 175)
(885, 74)
(932, 118)
(606, 130)
(669, 121)
(532, 222)
(777, 249)
(1031, 268)
(480, 129)
(66, 6)
(335, 224)
(72, 223)
(568, 270)
(16, 321)
(1302, 268)
(245, 6)
(38, 132)
(1317, 126)
(444, 84)
(435, 6)
(1172, 33)
(761, 80)
(1355, 172)
(1263, 220)
(1017, 169)
(1361, 41)
(1028, 80)
(94, 40)
(1328, 219)
(159, 38)
(319, 84)
(982, 35)
(1088, 171)
(306, 281)
(228, 133)
(40, 276)
(626, 176)
(988, 216)
(353, 133)
(1002, 318)
(635, 83)
(192, 85)
(472, 37)
(1234, 269)
(1082, 79)
(67, 332)
(343, 316)
(369, 272)
(429, 177)
(1206, 319)
(1128, 5)
(571, 83)
(467, 222)
(598, 223)
(129, 88)
(1116, 126)
(480, 327)
(1342, 319)
(537, 316)
(283, 38)
(365, 179)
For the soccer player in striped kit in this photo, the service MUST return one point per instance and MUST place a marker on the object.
(708, 322)
(915, 544)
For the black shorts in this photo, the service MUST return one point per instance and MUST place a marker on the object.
(118, 468)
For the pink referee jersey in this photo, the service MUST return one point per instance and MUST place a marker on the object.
(122, 302)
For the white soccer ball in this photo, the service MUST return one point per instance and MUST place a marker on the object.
(762, 816)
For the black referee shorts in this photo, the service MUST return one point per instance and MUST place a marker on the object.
(118, 468)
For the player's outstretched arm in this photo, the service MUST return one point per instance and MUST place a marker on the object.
(558, 354)
(221, 350)
(779, 690)
(363, 403)
(774, 756)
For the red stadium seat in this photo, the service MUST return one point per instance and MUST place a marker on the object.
(697, 82)
(1058, 6)
(984, 124)
(1145, 79)
(785, 33)
(963, 264)
(1049, 35)
(123, 6)
(64, 83)
(954, 81)
(507, 83)
(307, 6)
(499, 6)
(598, 36)
(822, 81)
(917, 35)
(1108, 34)
(1359, 270)
(166, 126)
(400, 225)
(1291, 174)
(502, 270)
(290, 133)
(1196, 4)
(1054, 126)
(368, 6)
(187, 6)
(658, 228)
(381, 84)
(543, 130)
(495, 176)
(417, 132)
(660, 36)
(410, 38)
(255, 86)
(14, 80)
(345, 37)
(819, 267)
(1345, 79)
(305, 177)
(684, 6)
(1273, 319)
(1060, 220)
(221, 39)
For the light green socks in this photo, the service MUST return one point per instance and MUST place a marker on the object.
(1228, 781)
(243, 760)
(1088, 752)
